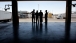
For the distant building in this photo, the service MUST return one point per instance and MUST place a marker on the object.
(63, 15)
(24, 14)
(50, 15)
(73, 15)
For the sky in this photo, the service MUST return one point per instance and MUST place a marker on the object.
(55, 7)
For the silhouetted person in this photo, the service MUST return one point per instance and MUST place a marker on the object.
(33, 15)
(46, 15)
(37, 16)
(41, 16)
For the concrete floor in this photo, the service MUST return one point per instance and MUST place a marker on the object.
(54, 32)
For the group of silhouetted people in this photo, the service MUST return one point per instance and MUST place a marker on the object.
(38, 16)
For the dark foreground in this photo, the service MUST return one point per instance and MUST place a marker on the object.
(53, 32)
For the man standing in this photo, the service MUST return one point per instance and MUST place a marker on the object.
(37, 16)
(41, 16)
(33, 15)
(46, 15)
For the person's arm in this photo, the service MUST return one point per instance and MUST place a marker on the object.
(31, 12)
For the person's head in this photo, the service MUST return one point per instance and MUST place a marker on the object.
(37, 11)
(33, 9)
(45, 10)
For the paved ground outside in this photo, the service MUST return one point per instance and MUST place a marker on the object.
(49, 20)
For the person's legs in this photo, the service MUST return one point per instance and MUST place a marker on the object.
(36, 19)
(32, 19)
(40, 19)
(45, 20)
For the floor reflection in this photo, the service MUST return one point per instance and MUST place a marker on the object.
(37, 28)
(33, 27)
(41, 28)
(67, 36)
(46, 28)
(16, 33)
(44, 33)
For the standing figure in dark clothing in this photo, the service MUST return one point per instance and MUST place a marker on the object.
(37, 16)
(46, 15)
(33, 15)
(41, 16)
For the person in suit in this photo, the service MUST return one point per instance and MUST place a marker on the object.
(41, 16)
(33, 15)
(46, 15)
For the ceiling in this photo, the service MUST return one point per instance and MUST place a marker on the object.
(36, 0)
